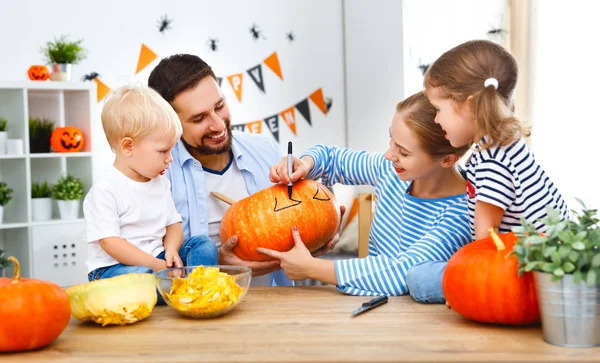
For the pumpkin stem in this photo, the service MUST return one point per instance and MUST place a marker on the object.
(497, 241)
(17, 272)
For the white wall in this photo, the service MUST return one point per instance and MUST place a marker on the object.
(432, 27)
(374, 73)
(564, 95)
(114, 31)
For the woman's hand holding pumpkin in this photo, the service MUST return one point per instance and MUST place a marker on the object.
(334, 240)
(297, 262)
(300, 168)
(227, 257)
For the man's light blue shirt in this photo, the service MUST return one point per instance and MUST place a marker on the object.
(252, 154)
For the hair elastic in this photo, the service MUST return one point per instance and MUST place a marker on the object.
(491, 82)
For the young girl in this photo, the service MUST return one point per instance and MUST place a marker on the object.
(421, 214)
(471, 87)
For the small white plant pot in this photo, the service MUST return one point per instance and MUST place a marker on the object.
(14, 147)
(3, 138)
(1, 214)
(68, 209)
(41, 209)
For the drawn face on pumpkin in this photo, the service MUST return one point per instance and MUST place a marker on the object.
(67, 139)
(70, 139)
(285, 202)
(38, 73)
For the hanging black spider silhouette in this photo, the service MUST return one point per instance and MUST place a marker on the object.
(291, 37)
(164, 23)
(256, 32)
(423, 67)
(328, 103)
(89, 76)
(496, 32)
(212, 44)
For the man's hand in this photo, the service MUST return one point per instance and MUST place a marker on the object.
(227, 257)
(334, 240)
(172, 258)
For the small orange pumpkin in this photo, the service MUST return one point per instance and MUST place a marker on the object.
(67, 139)
(38, 73)
(33, 312)
(265, 219)
(482, 284)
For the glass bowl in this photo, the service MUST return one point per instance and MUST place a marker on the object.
(203, 291)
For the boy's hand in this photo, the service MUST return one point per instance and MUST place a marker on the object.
(158, 265)
(172, 258)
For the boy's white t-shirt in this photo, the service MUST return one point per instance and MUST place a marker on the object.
(138, 212)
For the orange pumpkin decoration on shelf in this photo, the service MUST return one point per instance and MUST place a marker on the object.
(38, 73)
(33, 313)
(481, 283)
(67, 139)
(265, 219)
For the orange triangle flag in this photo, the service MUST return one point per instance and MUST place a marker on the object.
(317, 98)
(289, 116)
(146, 57)
(273, 62)
(101, 89)
(254, 127)
(236, 83)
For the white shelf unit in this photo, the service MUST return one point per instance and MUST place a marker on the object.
(51, 250)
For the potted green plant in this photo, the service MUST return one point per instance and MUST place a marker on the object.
(41, 201)
(61, 54)
(68, 191)
(4, 263)
(5, 197)
(3, 134)
(40, 130)
(565, 261)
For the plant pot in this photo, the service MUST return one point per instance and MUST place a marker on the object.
(1, 214)
(3, 138)
(570, 313)
(61, 72)
(39, 145)
(14, 147)
(68, 209)
(41, 209)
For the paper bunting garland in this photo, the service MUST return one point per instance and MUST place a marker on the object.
(102, 89)
(147, 56)
(272, 62)
(255, 73)
(288, 115)
(236, 83)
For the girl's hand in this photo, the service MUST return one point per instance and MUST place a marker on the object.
(297, 262)
(300, 168)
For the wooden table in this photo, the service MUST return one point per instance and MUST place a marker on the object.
(305, 324)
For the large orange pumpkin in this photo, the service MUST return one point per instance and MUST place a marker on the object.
(265, 219)
(33, 313)
(67, 139)
(38, 73)
(481, 283)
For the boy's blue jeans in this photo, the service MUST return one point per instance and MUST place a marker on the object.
(425, 282)
(198, 250)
